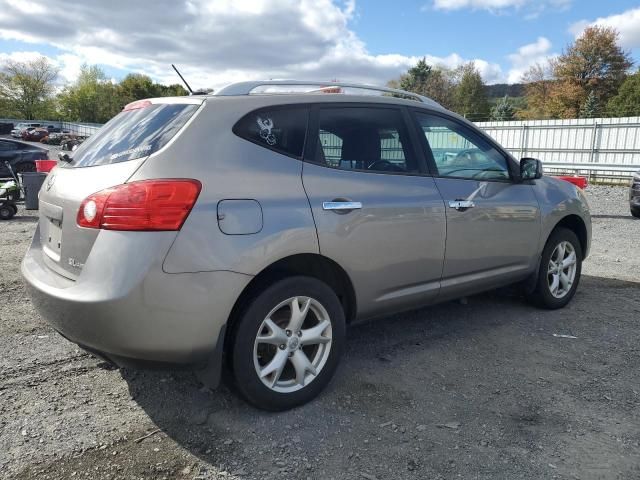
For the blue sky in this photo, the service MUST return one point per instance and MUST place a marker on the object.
(219, 41)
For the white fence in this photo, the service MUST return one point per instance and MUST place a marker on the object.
(604, 147)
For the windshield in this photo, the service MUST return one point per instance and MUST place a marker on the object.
(133, 134)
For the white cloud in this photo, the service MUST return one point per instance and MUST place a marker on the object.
(527, 56)
(533, 7)
(213, 43)
(627, 23)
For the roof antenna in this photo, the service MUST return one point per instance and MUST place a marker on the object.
(183, 80)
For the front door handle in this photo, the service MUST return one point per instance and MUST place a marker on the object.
(461, 205)
(341, 206)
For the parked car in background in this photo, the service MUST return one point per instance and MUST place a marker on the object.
(254, 228)
(54, 129)
(21, 156)
(20, 127)
(35, 134)
(634, 195)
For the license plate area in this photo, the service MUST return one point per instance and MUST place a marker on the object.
(52, 238)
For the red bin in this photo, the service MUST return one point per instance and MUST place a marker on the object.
(45, 165)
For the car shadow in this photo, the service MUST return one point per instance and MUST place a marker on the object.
(473, 358)
(23, 219)
(623, 217)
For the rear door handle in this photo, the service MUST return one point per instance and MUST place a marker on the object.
(341, 206)
(461, 205)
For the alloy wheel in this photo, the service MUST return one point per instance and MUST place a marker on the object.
(292, 344)
(561, 271)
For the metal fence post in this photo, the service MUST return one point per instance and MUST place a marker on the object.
(524, 137)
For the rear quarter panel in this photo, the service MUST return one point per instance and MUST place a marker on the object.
(233, 168)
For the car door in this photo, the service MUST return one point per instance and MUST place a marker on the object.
(376, 213)
(493, 221)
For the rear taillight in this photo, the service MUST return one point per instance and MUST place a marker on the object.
(148, 205)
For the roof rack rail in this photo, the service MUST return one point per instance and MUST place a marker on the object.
(269, 87)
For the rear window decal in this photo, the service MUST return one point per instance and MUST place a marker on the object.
(142, 149)
(266, 125)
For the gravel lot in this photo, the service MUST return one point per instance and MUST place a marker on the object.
(477, 390)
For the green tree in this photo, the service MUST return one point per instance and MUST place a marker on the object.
(433, 82)
(627, 102)
(136, 86)
(174, 90)
(589, 108)
(26, 88)
(503, 110)
(416, 77)
(469, 95)
(92, 98)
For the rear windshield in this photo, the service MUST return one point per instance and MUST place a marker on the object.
(133, 134)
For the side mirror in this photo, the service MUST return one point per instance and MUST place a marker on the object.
(530, 169)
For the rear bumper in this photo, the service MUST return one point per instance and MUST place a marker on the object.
(127, 308)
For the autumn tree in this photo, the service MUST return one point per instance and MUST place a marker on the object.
(594, 63)
(627, 102)
(26, 88)
(469, 95)
(537, 90)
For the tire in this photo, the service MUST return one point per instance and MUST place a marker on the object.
(635, 211)
(543, 295)
(289, 382)
(6, 212)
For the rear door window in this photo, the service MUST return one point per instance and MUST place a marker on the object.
(280, 129)
(364, 138)
(133, 134)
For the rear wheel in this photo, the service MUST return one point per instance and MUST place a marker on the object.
(635, 211)
(287, 344)
(560, 268)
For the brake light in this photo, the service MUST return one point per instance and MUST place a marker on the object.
(137, 105)
(148, 205)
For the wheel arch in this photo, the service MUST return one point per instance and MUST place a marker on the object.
(576, 225)
(305, 264)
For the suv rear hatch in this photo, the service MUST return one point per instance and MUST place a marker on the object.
(106, 159)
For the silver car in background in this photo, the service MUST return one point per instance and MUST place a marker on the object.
(250, 227)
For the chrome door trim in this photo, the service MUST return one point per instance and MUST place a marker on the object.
(341, 205)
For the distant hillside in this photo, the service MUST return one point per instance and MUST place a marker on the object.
(501, 89)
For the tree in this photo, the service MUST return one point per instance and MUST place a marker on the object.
(627, 102)
(503, 110)
(469, 95)
(589, 108)
(433, 82)
(537, 90)
(92, 98)
(596, 64)
(27, 87)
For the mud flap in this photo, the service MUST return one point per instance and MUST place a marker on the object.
(211, 372)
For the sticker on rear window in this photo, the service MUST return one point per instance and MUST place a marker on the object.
(265, 130)
(143, 149)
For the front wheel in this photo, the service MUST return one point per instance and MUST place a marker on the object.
(560, 268)
(287, 344)
(635, 211)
